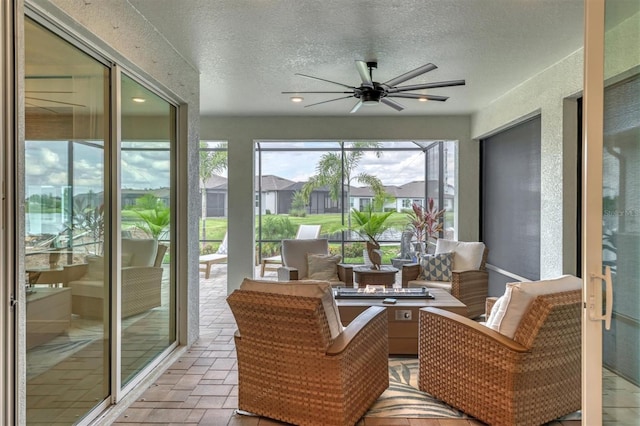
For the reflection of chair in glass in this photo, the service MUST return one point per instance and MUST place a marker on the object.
(469, 281)
(305, 232)
(220, 256)
(295, 361)
(310, 259)
(141, 280)
(524, 371)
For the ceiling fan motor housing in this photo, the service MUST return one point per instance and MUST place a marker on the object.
(370, 96)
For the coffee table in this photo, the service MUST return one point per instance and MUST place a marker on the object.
(403, 316)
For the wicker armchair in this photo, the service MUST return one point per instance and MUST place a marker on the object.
(141, 282)
(468, 285)
(528, 380)
(294, 259)
(291, 369)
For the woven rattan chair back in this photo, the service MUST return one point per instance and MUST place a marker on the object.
(280, 320)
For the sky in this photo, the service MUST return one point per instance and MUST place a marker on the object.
(46, 165)
(392, 168)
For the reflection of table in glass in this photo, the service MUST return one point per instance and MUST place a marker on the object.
(48, 314)
(364, 275)
(46, 275)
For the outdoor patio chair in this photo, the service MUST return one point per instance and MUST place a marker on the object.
(466, 278)
(141, 280)
(521, 368)
(297, 364)
(207, 260)
(310, 259)
(305, 232)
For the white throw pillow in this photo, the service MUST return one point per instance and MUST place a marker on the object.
(493, 316)
(505, 317)
(318, 289)
(142, 251)
(468, 255)
(323, 267)
(95, 267)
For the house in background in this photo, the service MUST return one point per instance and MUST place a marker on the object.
(275, 195)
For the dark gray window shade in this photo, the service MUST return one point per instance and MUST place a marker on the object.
(510, 202)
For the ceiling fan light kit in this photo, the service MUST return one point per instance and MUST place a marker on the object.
(373, 93)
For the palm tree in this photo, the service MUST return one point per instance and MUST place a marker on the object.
(211, 162)
(333, 166)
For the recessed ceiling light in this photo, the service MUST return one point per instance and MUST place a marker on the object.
(423, 99)
(139, 100)
(297, 99)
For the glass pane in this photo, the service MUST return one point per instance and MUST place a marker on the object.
(147, 278)
(304, 183)
(213, 193)
(66, 123)
(621, 216)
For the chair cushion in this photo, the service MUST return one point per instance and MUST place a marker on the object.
(468, 255)
(509, 309)
(436, 267)
(87, 288)
(294, 253)
(323, 267)
(317, 289)
(142, 251)
(95, 268)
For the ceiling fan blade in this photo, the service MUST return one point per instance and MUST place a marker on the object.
(55, 102)
(356, 107)
(296, 93)
(411, 74)
(418, 96)
(393, 104)
(363, 70)
(322, 79)
(426, 86)
(324, 102)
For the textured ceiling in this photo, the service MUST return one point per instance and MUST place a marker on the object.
(247, 51)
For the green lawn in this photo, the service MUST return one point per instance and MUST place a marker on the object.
(331, 223)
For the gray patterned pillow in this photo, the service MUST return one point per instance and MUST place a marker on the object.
(436, 267)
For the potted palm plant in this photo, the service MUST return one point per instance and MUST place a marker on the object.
(370, 226)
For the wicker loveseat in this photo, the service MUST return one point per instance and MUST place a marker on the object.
(530, 378)
(141, 280)
(297, 364)
(469, 280)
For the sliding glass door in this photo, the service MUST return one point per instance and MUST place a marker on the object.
(611, 323)
(146, 199)
(65, 197)
(99, 220)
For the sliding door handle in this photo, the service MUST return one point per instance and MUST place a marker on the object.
(595, 303)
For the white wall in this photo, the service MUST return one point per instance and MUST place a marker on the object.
(242, 131)
(544, 95)
(552, 94)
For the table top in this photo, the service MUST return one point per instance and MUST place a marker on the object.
(384, 269)
(42, 293)
(441, 299)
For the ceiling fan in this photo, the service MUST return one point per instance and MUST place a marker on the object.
(372, 93)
